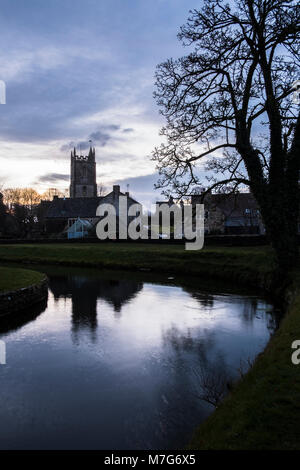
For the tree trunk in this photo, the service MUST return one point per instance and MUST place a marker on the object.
(281, 223)
(285, 244)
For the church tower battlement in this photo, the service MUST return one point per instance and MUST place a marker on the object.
(83, 174)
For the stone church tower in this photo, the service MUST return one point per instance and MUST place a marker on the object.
(83, 175)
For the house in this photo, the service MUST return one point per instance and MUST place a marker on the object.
(226, 214)
(61, 213)
(234, 213)
(167, 230)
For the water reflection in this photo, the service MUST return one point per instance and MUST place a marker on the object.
(84, 293)
(250, 308)
(115, 363)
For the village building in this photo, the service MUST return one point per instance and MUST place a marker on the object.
(60, 214)
(230, 214)
(75, 216)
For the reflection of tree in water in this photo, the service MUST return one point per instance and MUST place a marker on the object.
(249, 307)
(254, 308)
(180, 341)
(177, 409)
(201, 375)
(213, 380)
(85, 292)
(274, 320)
(196, 378)
(205, 299)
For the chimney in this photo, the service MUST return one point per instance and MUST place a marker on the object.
(116, 190)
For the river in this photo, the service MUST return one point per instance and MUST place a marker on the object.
(124, 361)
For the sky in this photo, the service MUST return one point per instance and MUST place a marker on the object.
(80, 70)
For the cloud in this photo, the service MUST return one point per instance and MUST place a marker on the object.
(53, 178)
(82, 145)
(100, 137)
(87, 78)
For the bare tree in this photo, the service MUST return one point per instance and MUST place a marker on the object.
(49, 194)
(28, 197)
(213, 383)
(228, 104)
(11, 197)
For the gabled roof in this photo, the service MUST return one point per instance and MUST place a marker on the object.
(84, 207)
(110, 198)
(71, 208)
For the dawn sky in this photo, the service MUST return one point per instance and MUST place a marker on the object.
(80, 70)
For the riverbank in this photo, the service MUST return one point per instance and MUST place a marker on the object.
(12, 279)
(262, 411)
(20, 289)
(247, 265)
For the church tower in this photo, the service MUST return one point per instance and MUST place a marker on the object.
(83, 175)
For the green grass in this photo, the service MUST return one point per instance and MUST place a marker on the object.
(263, 410)
(14, 278)
(250, 264)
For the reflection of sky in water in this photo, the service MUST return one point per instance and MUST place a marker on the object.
(110, 363)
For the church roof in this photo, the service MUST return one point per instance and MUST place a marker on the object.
(69, 208)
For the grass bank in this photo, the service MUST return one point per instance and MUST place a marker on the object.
(263, 410)
(12, 279)
(251, 265)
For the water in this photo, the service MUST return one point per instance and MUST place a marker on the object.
(115, 361)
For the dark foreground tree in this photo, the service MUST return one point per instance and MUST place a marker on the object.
(229, 103)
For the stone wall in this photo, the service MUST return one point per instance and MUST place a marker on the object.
(21, 299)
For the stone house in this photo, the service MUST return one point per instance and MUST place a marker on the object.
(234, 214)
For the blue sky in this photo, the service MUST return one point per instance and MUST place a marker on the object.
(77, 70)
